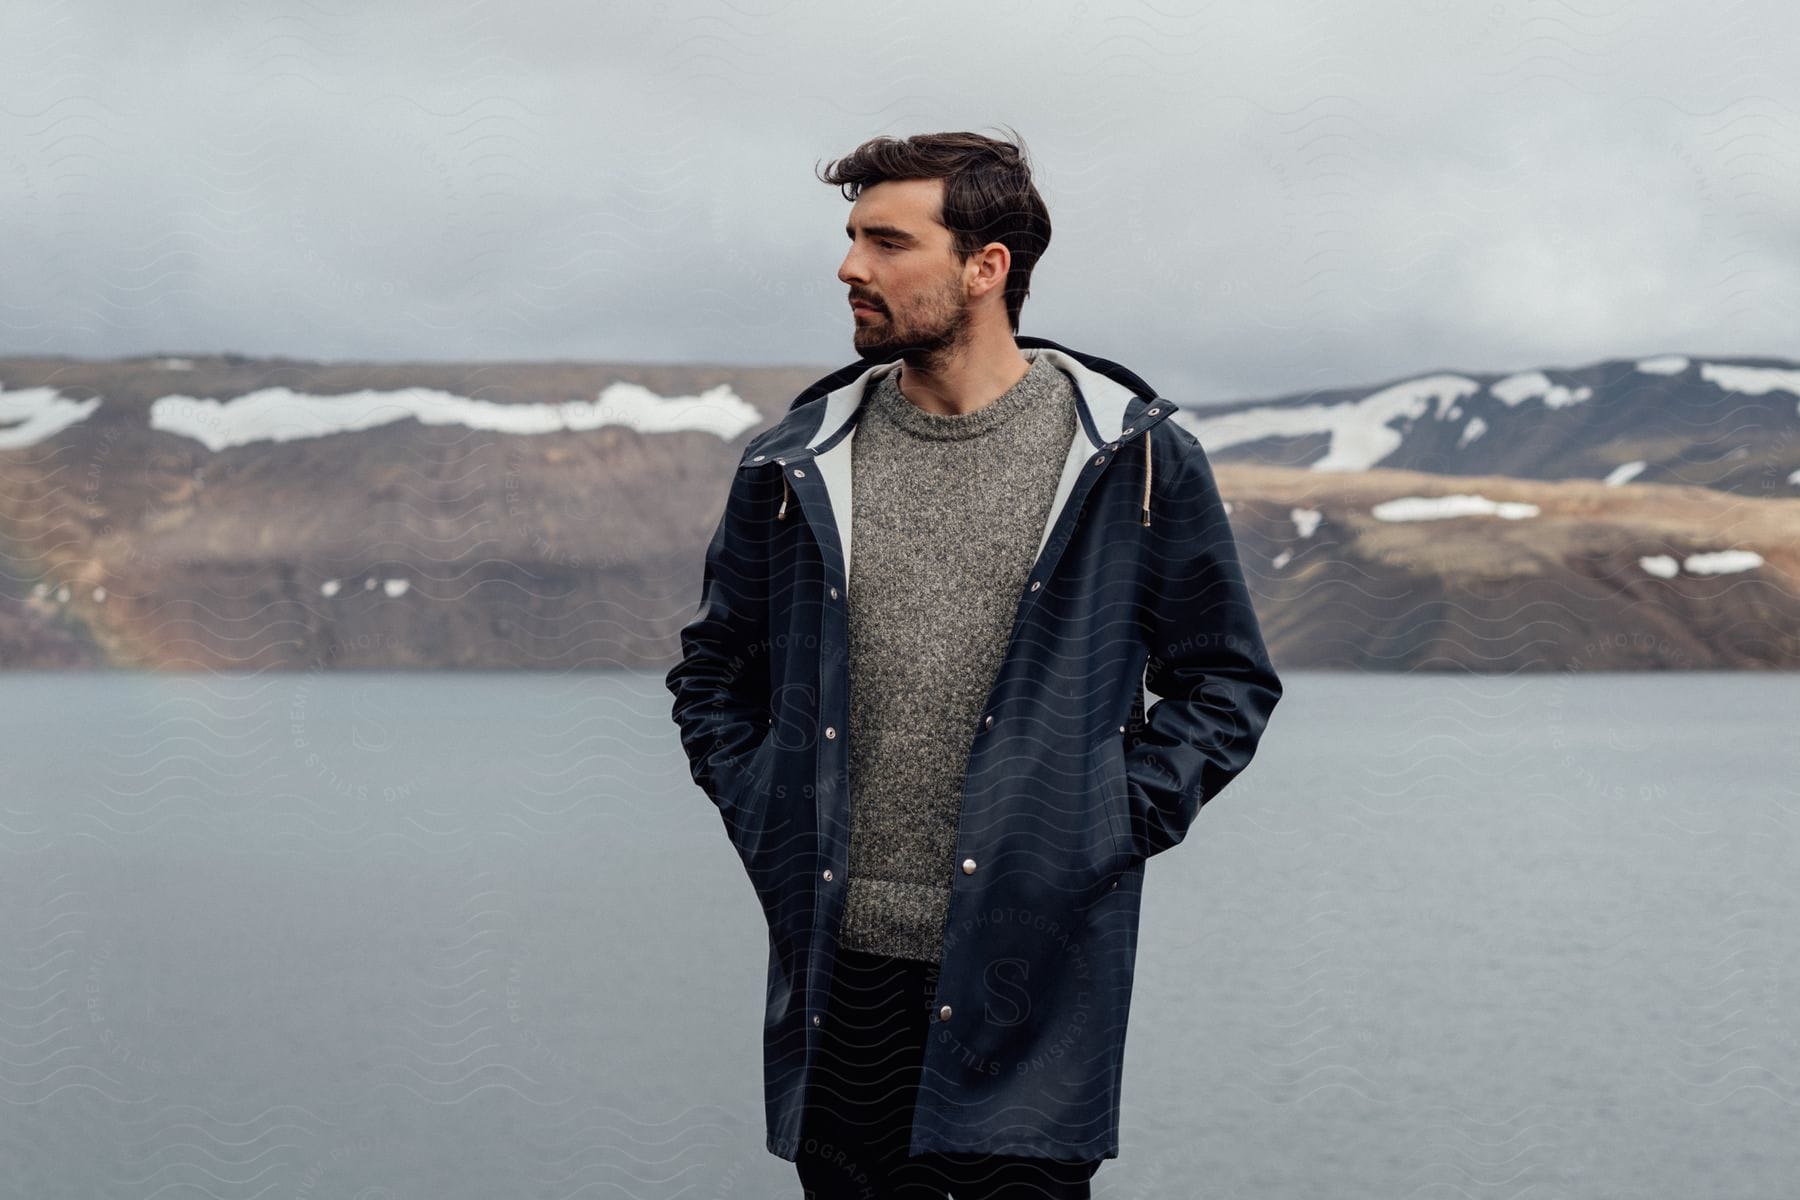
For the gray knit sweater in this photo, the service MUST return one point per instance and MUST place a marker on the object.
(947, 511)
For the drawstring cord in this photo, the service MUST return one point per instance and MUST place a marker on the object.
(1146, 479)
(781, 513)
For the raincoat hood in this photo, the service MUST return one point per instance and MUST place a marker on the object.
(1112, 404)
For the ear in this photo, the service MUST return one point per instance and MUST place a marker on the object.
(992, 263)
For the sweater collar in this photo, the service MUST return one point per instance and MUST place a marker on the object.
(887, 402)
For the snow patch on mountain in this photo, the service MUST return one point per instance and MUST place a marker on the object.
(1459, 504)
(1516, 389)
(1707, 562)
(1751, 381)
(280, 414)
(1721, 562)
(29, 415)
(1358, 430)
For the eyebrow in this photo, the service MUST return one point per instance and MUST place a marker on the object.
(884, 231)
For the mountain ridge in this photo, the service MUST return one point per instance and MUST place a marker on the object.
(553, 515)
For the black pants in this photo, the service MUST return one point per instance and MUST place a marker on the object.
(858, 1121)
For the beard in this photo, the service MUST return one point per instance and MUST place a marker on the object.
(932, 332)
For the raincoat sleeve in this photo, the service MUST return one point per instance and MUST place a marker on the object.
(721, 682)
(1207, 662)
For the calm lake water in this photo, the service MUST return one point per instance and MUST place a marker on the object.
(475, 936)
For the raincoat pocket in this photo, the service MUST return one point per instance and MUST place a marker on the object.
(762, 829)
(1116, 800)
(746, 798)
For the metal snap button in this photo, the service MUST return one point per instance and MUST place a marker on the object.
(1036, 584)
(798, 473)
(968, 866)
(944, 1013)
(831, 731)
(827, 874)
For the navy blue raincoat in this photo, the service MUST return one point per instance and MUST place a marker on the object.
(1136, 596)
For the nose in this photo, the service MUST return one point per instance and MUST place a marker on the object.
(851, 269)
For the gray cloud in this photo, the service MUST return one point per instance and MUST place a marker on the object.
(1246, 202)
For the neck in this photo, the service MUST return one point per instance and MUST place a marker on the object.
(963, 378)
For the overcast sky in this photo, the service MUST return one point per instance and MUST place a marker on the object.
(1248, 199)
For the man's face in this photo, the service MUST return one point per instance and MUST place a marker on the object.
(901, 264)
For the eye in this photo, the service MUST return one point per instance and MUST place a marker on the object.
(892, 246)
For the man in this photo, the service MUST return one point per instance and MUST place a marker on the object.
(919, 701)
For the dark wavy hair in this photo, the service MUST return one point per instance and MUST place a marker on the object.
(988, 194)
